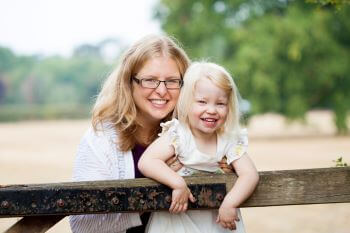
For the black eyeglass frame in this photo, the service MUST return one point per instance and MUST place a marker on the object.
(139, 82)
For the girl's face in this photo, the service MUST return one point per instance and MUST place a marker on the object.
(209, 109)
(155, 104)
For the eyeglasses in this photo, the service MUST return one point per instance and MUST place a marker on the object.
(154, 83)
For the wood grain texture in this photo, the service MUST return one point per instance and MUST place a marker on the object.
(275, 188)
(300, 187)
(289, 187)
(34, 224)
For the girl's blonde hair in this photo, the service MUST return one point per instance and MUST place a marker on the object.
(222, 79)
(115, 103)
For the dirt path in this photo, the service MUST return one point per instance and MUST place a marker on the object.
(43, 152)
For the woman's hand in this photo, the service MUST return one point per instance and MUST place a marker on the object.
(227, 168)
(179, 200)
(174, 163)
(227, 216)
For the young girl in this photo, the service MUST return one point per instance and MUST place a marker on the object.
(207, 129)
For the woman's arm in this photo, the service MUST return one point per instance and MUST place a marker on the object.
(245, 184)
(152, 164)
(174, 163)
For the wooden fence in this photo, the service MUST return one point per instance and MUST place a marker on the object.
(43, 205)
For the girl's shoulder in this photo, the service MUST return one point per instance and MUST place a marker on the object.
(234, 145)
(242, 136)
(233, 138)
(178, 134)
(169, 126)
(174, 126)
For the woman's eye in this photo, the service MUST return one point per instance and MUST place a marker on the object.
(151, 80)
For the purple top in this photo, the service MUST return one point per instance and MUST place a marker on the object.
(136, 154)
(137, 151)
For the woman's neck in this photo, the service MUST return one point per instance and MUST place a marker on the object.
(145, 132)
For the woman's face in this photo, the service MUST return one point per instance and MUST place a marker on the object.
(155, 104)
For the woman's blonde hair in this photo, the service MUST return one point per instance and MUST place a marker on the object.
(115, 103)
(222, 79)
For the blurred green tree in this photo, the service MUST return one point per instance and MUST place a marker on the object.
(286, 56)
(49, 87)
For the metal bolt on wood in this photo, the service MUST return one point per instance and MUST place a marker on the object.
(5, 204)
(219, 197)
(115, 201)
(168, 199)
(60, 203)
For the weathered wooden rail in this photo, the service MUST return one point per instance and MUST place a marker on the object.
(43, 205)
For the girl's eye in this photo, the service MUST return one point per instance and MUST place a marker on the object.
(201, 101)
(222, 104)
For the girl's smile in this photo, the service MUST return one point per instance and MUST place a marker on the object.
(209, 122)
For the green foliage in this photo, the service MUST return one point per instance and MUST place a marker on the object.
(7, 59)
(340, 163)
(286, 56)
(337, 3)
(33, 87)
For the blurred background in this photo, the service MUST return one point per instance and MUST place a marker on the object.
(290, 60)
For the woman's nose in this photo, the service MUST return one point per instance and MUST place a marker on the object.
(161, 89)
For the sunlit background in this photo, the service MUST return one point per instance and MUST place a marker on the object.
(290, 60)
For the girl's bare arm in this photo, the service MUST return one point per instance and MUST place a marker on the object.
(247, 180)
(152, 164)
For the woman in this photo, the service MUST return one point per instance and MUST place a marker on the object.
(140, 94)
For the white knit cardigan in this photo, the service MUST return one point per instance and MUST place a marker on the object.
(99, 159)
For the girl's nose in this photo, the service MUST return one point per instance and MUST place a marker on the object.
(211, 109)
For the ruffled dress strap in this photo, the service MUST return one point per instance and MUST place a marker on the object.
(236, 146)
(173, 130)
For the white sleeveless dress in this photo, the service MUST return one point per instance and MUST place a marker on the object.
(197, 221)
